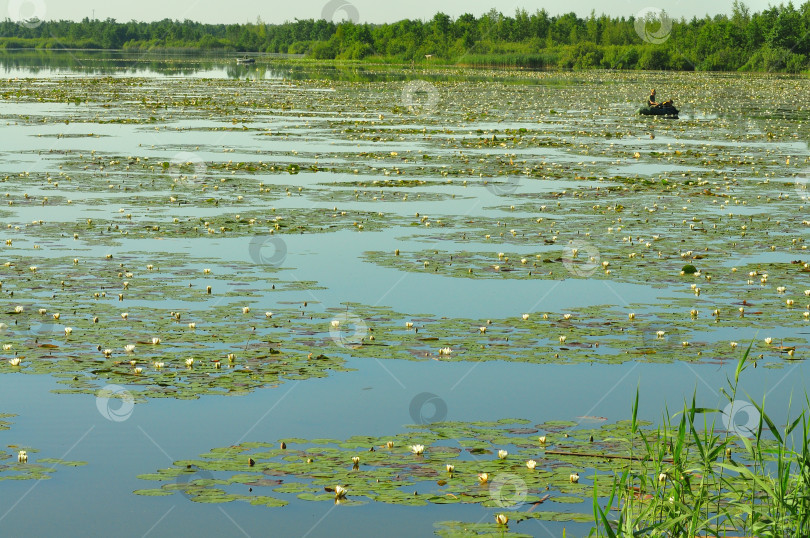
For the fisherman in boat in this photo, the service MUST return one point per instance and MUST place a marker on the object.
(651, 102)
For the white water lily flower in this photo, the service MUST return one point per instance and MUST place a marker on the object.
(268, 314)
(15, 361)
(192, 325)
(531, 464)
(246, 310)
(734, 345)
(450, 467)
(335, 323)
(138, 371)
(631, 316)
(542, 439)
(483, 477)
(18, 309)
(155, 341)
(660, 334)
(340, 492)
(129, 348)
(356, 460)
(562, 339)
(525, 317)
(124, 315)
(418, 449)
(409, 324)
(231, 357)
(789, 302)
(574, 478)
(482, 329)
(56, 316)
(445, 351)
(566, 316)
(159, 365)
(189, 362)
(68, 330)
(107, 352)
(6, 347)
(768, 340)
(501, 519)
(22, 456)
(502, 454)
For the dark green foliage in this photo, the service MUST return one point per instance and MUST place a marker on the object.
(776, 39)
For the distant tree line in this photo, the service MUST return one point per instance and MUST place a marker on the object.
(776, 39)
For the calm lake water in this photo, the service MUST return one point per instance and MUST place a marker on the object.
(414, 206)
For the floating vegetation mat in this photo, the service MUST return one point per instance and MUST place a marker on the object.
(495, 177)
(27, 466)
(530, 471)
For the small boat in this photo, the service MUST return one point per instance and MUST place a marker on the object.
(246, 60)
(666, 111)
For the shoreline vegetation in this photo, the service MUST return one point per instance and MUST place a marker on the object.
(773, 40)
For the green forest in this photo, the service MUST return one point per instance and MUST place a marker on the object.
(776, 39)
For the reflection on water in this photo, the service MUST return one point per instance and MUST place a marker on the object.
(148, 64)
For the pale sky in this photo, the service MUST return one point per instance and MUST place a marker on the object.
(276, 11)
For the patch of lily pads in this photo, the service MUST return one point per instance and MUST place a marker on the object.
(20, 463)
(524, 470)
